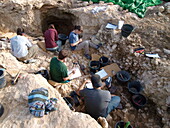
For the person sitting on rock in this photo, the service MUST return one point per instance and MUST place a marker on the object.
(22, 48)
(78, 44)
(51, 39)
(98, 103)
(58, 69)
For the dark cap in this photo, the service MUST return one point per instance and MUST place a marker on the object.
(96, 81)
(78, 27)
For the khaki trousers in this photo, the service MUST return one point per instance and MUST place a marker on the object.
(85, 45)
(31, 53)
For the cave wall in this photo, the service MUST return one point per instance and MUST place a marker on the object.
(28, 14)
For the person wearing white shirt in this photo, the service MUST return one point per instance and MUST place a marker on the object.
(21, 47)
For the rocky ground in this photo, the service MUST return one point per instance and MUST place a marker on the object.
(151, 33)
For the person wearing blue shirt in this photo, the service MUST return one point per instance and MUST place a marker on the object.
(21, 47)
(78, 44)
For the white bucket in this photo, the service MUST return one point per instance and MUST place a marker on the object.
(120, 24)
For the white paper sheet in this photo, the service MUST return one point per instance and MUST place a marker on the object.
(102, 73)
(77, 73)
(89, 85)
(111, 26)
(153, 55)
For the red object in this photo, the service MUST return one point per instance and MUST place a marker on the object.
(51, 36)
(139, 50)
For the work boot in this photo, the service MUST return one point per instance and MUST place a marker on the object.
(88, 56)
(103, 122)
(108, 82)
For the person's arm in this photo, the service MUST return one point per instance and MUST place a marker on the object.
(12, 47)
(56, 35)
(74, 44)
(69, 76)
(28, 43)
(82, 86)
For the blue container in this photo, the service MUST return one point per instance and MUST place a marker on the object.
(63, 38)
(2, 78)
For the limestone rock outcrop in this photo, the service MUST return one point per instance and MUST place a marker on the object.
(16, 114)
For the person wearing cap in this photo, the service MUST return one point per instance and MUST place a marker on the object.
(78, 44)
(51, 39)
(58, 70)
(98, 103)
(22, 48)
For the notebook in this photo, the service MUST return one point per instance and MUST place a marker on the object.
(77, 73)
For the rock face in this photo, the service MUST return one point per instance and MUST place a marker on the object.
(17, 113)
(151, 33)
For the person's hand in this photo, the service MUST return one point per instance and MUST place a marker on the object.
(80, 40)
(74, 71)
(88, 81)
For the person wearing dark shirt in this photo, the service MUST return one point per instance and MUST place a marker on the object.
(51, 39)
(98, 103)
(58, 70)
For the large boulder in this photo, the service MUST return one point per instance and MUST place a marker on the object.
(16, 114)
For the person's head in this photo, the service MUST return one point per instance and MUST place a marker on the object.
(62, 54)
(51, 26)
(78, 29)
(20, 31)
(96, 81)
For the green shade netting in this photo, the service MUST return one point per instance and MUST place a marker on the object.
(135, 6)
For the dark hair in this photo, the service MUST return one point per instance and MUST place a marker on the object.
(51, 26)
(78, 27)
(62, 54)
(20, 31)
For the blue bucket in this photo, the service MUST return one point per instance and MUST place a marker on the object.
(2, 78)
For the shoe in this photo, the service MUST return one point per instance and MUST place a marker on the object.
(29, 61)
(103, 122)
(108, 82)
(88, 56)
(99, 45)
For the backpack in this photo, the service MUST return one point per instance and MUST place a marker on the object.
(39, 104)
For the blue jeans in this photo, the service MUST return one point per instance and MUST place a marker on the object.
(115, 101)
(58, 48)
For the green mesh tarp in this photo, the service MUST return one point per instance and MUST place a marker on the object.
(135, 6)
